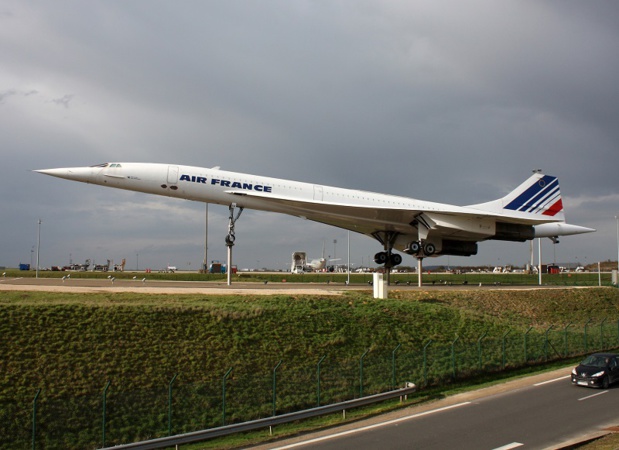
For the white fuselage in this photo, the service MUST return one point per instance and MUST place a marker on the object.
(215, 185)
(531, 210)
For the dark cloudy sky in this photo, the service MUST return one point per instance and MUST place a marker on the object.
(445, 101)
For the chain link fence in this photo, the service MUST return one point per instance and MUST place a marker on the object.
(114, 416)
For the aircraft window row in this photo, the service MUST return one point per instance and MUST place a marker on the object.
(115, 165)
(335, 194)
(259, 182)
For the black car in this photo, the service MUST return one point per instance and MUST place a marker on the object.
(597, 370)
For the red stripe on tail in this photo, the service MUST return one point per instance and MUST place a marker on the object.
(554, 209)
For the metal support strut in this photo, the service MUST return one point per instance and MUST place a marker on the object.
(230, 238)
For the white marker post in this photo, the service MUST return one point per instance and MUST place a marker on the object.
(380, 286)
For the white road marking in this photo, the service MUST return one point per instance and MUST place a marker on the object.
(552, 381)
(12, 279)
(591, 396)
(510, 446)
(370, 427)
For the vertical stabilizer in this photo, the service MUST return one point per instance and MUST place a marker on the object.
(539, 195)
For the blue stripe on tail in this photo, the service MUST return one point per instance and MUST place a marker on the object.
(536, 195)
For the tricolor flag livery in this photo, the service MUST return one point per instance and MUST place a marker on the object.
(415, 227)
(542, 197)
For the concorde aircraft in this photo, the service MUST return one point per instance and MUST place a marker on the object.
(416, 227)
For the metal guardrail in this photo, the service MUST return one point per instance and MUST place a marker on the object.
(197, 436)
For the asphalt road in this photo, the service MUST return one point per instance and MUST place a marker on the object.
(537, 415)
(219, 287)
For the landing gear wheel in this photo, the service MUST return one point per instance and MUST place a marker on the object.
(396, 260)
(429, 249)
(230, 240)
(380, 258)
(414, 248)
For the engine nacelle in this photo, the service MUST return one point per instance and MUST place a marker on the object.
(458, 248)
(513, 232)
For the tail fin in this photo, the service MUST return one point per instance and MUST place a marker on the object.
(539, 195)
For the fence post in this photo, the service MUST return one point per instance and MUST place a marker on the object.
(361, 373)
(526, 334)
(425, 363)
(223, 397)
(170, 404)
(34, 419)
(546, 343)
(393, 380)
(565, 332)
(504, 336)
(275, 384)
(104, 408)
(479, 347)
(586, 324)
(453, 357)
(318, 380)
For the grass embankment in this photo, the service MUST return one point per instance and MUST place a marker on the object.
(71, 345)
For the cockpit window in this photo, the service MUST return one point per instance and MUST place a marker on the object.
(104, 165)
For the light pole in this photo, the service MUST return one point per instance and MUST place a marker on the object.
(348, 262)
(38, 246)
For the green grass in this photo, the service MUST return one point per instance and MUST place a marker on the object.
(608, 442)
(563, 279)
(71, 345)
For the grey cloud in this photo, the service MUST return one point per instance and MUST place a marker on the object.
(440, 101)
(63, 101)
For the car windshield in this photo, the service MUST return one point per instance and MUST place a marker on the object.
(595, 361)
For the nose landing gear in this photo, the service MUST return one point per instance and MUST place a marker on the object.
(230, 238)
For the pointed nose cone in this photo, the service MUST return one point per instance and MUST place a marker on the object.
(85, 174)
(61, 173)
(560, 229)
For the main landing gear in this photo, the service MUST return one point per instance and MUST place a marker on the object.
(387, 258)
(421, 249)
